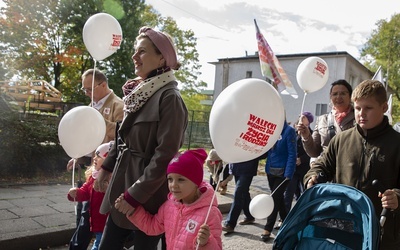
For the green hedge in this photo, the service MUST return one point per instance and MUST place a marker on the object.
(29, 147)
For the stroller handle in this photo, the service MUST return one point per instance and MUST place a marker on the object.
(381, 188)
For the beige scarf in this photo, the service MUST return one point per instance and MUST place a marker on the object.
(144, 90)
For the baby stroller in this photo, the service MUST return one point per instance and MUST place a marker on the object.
(330, 216)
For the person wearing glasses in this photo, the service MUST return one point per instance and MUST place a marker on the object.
(150, 135)
(110, 107)
(339, 119)
(104, 100)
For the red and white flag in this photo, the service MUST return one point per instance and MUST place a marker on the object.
(271, 68)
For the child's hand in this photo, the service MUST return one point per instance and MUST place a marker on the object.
(203, 235)
(72, 192)
(123, 206)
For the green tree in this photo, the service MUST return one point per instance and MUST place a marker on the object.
(193, 102)
(383, 49)
(32, 39)
(3, 73)
(43, 40)
(118, 67)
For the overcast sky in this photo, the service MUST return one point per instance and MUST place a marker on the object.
(225, 28)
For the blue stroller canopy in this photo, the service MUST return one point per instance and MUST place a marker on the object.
(330, 216)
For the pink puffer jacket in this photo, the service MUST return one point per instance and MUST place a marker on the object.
(181, 222)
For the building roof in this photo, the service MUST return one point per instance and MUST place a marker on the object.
(281, 56)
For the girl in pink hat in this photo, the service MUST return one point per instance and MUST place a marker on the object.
(183, 216)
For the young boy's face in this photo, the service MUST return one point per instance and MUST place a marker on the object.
(368, 112)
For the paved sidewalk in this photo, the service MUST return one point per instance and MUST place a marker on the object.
(40, 216)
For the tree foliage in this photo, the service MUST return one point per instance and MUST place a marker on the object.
(383, 49)
(31, 40)
(43, 40)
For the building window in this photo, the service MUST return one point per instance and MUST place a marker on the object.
(321, 109)
(249, 74)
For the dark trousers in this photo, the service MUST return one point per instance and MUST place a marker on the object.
(241, 200)
(294, 188)
(279, 204)
(225, 175)
(114, 238)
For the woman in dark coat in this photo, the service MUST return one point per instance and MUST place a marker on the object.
(149, 136)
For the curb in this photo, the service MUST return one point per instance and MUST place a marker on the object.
(38, 241)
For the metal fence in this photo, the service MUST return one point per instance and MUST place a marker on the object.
(197, 134)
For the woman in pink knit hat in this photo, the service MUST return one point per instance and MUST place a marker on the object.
(150, 134)
(183, 216)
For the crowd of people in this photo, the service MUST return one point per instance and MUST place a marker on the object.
(140, 188)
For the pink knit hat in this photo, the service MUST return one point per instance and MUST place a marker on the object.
(189, 164)
(163, 44)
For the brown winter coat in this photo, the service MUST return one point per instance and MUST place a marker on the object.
(149, 139)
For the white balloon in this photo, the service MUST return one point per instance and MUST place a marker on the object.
(246, 120)
(102, 35)
(261, 206)
(312, 74)
(81, 131)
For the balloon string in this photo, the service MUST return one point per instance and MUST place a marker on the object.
(302, 105)
(286, 179)
(73, 173)
(94, 73)
(73, 183)
(212, 201)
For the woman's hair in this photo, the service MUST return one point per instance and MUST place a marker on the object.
(344, 83)
(370, 88)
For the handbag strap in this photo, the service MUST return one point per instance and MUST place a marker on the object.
(331, 126)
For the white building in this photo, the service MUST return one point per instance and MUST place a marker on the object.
(341, 65)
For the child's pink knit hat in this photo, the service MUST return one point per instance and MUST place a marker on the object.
(189, 164)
